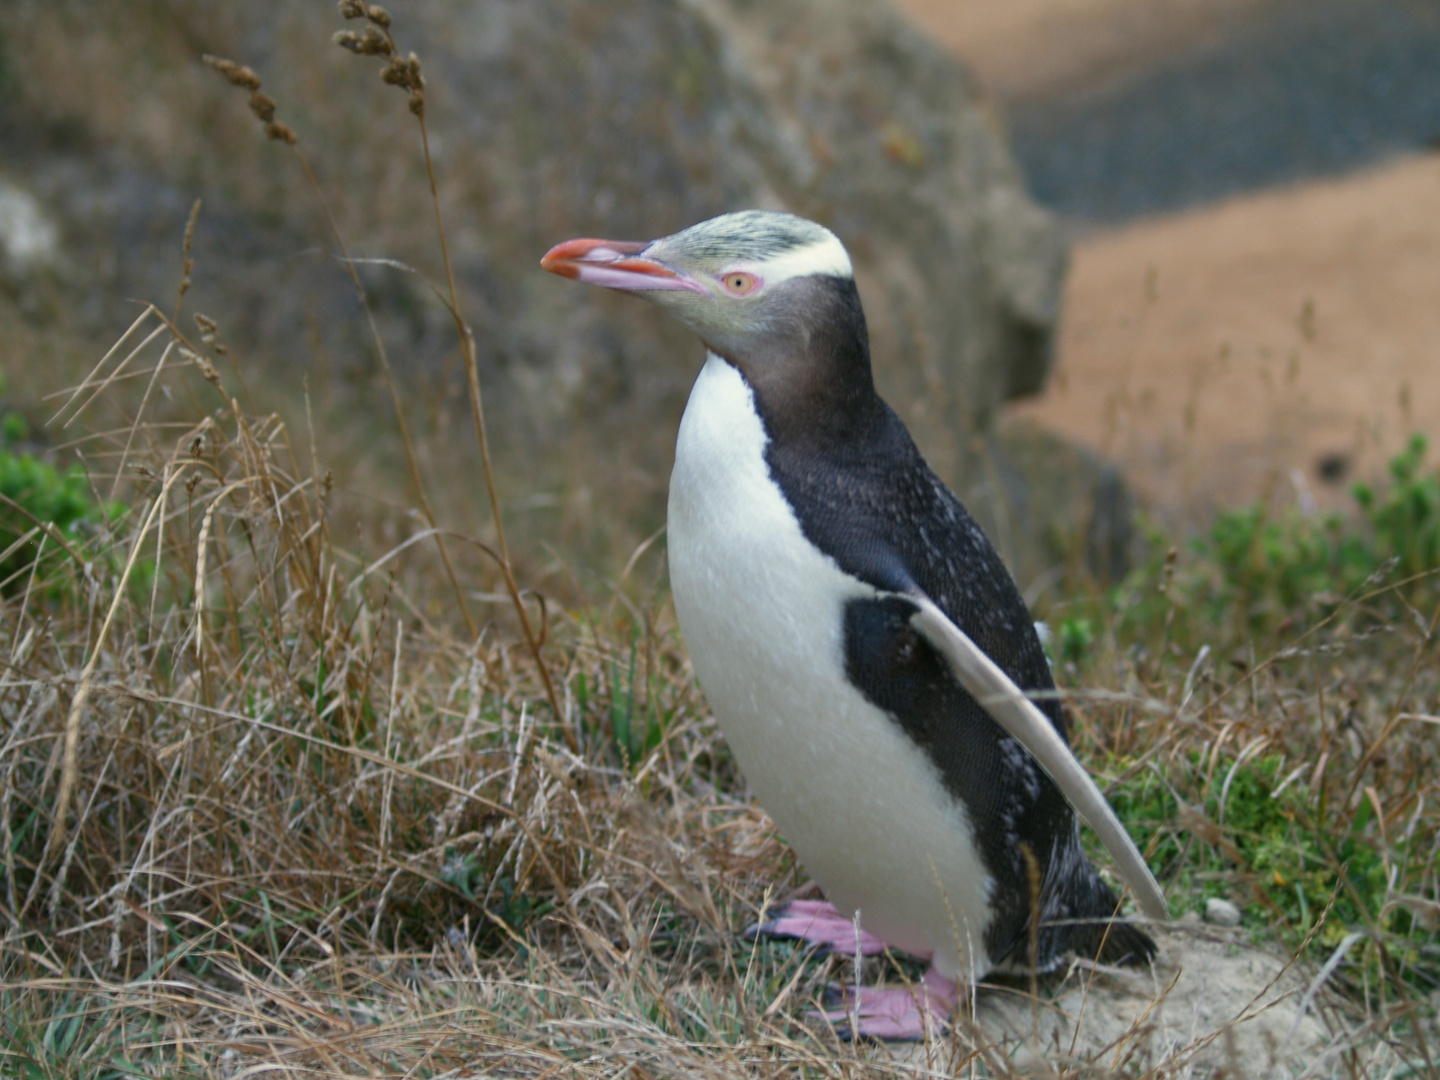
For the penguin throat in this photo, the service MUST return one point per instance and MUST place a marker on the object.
(812, 380)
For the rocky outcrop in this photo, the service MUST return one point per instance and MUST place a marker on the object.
(550, 119)
(868, 126)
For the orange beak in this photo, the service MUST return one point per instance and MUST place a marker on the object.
(614, 264)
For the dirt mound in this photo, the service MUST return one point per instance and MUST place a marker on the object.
(1212, 1004)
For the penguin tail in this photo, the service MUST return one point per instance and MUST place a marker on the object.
(1112, 941)
(1080, 915)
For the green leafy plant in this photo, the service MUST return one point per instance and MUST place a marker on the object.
(1076, 637)
(1323, 824)
(1405, 515)
(36, 495)
(1284, 855)
(1255, 571)
(509, 904)
(13, 428)
(463, 872)
(43, 508)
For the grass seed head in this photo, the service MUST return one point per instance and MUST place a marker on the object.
(371, 43)
(188, 263)
(396, 73)
(262, 105)
(416, 85)
(202, 364)
(376, 40)
(281, 132)
(238, 74)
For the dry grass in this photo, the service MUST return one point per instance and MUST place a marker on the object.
(269, 805)
(314, 828)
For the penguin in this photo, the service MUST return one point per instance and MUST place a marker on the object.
(863, 648)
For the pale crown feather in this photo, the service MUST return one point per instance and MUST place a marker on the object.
(775, 246)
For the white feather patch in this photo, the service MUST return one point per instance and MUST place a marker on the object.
(825, 257)
(761, 610)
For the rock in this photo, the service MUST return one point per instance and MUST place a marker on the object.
(1047, 503)
(548, 119)
(869, 126)
(1221, 912)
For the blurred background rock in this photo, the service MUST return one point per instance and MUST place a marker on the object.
(550, 118)
(557, 118)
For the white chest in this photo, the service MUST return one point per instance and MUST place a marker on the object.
(761, 610)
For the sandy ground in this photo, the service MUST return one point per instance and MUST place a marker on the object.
(1032, 48)
(1220, 355)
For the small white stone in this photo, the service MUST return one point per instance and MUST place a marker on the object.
(1221, 912)
(28, 239)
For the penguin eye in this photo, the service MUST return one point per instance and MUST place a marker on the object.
(739, 283)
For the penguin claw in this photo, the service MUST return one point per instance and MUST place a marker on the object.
(891, 1014)
(820, 925)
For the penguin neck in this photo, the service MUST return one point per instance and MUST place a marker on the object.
(812, 381)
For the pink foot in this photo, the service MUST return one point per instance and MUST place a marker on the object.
(820, 924)
(908, 1012)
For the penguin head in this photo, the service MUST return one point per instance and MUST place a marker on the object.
(741, 281)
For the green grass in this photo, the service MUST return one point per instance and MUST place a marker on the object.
(1286, 865)
(1257, 575)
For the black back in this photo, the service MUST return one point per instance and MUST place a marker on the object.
(864, 495)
